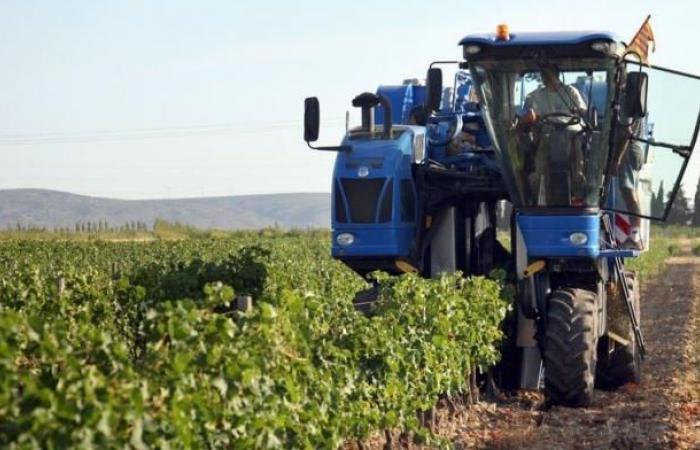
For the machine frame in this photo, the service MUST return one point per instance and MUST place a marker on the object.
(416, 188)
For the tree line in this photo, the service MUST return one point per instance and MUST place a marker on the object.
(681, 212)
(100, 226)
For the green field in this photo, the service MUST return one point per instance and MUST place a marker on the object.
(139, 345)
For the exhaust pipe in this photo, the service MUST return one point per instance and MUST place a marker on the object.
(368, 101)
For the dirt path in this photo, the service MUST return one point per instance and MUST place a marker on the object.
(686, 414)
(663, 412)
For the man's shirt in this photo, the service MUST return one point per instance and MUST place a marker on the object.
(563, 99)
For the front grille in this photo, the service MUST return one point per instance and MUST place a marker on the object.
(372, 163)
(362, 196)
(341, 216)
(387, 201)
(408, 201)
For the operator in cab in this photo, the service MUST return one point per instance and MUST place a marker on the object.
(549, 130)
(554, 97)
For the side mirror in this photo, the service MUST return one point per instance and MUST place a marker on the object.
(636, 85)
(312, 119)
(434, 89)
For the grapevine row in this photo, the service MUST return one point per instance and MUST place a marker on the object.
(140, 346)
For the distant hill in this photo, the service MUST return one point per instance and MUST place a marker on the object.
(45, 208)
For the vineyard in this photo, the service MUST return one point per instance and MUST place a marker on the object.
(140, 345)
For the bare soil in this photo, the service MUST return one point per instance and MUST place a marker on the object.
(662, 412)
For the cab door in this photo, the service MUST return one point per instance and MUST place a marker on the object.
(654, 160)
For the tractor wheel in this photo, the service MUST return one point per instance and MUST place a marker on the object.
(623, 364)
(570, 340)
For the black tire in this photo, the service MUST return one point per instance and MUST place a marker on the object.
(365, 300)
(623, 364)
(570, 340)
(507, 371)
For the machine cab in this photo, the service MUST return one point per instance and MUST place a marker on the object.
(568, 114)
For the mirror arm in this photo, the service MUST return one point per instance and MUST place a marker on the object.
(682, 150)
(436, 63)
(339, 148)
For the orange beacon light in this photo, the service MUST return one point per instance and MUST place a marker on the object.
(502, 33)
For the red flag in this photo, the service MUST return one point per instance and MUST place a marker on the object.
(640, 42)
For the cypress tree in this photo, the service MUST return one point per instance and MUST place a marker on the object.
(680, 213)
(696, 206)
(658, 205)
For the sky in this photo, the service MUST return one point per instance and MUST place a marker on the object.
(168, 99)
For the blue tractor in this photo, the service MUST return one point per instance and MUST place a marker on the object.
(552, 128)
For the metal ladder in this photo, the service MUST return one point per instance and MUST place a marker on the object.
(619, 273)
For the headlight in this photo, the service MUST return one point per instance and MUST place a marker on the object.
(578, 238)
(604, 47)
(471, 49)
(345, 239)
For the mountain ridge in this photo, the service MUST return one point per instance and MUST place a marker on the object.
(49, 209)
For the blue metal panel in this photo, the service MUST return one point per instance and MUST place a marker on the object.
(549, 235)
(401, 98)
(419, 94)
(375, 148)
(376, 159)
(464, 87)
(539, 38)
(373, 241)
